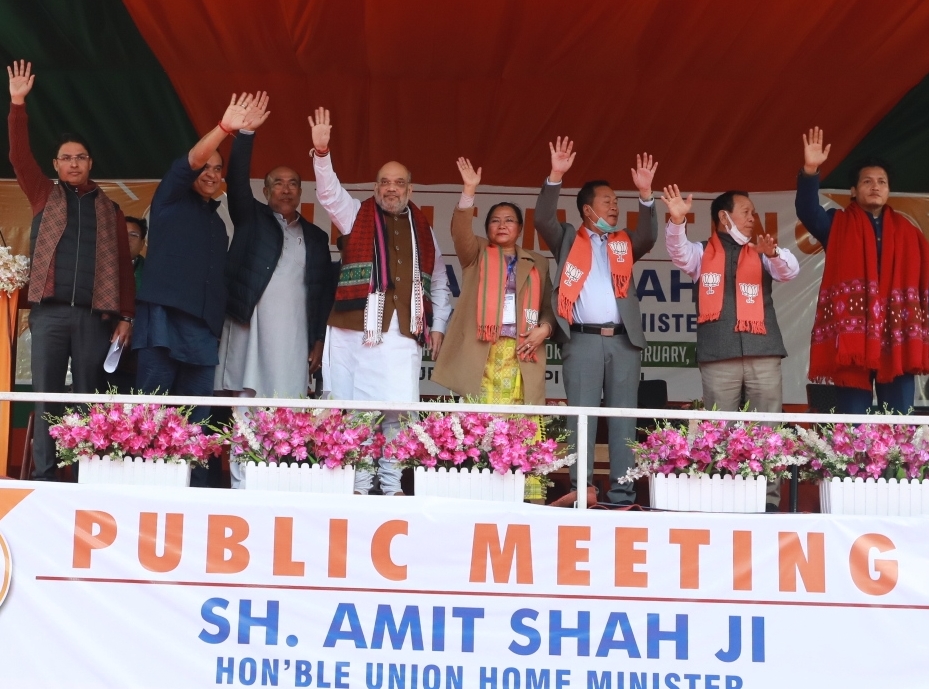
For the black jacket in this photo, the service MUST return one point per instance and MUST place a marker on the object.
(256, 248)
(76, 252)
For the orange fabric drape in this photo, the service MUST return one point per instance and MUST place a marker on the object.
(719, 92)
(9, 318)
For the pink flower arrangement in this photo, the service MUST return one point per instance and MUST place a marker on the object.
(150, 431)
(329, 437)
(449, 439)
(716, 447)
(870, 450)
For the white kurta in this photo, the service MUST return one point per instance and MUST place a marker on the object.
(268, 357)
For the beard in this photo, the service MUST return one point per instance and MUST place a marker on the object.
(393, 204)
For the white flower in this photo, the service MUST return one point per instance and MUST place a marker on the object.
(244, 429)
(427, 442)
(559, 463)
(14, 270)
(457, 430)
(487, 440)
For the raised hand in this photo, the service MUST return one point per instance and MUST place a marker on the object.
(321, 130)
(234, 118)
(814, 154)
(257, 112)
(643, 174)
(470, 176)
(677, 205)
(562, 158)
(21, 79)
(765, 244)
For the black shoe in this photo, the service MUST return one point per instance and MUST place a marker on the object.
(772, 508)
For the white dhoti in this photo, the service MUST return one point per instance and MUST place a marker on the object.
(388, 372)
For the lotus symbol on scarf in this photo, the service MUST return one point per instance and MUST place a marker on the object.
(571, 274)
(711, 281)
(749, 291)
(619, 249)
(532, 317)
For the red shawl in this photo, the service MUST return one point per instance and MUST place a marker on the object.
(365, 269)
(869, 320)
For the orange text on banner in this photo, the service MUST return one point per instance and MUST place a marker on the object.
(887, 570)
(380, 549)
(225, 533)
(86, 522)
(517, 546)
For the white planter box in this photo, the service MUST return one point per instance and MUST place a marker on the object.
(707, 493)
(857, 496)
(299, 478)
(470, 484)
(132, 472)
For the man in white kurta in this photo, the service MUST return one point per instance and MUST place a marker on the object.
(373, 348)
(279, 281)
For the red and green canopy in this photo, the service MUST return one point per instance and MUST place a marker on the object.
(719, 92)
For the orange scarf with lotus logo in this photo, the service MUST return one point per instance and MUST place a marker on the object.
(749, 305)
(577, 268)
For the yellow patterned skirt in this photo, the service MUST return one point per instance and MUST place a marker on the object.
(502, 383)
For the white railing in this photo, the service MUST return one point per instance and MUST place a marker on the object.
(529, 410)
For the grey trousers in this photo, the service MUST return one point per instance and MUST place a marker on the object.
(61, 333)
(755, 380)
(596, 367)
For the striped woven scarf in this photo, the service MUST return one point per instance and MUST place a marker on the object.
(490, 293)
(52, 227)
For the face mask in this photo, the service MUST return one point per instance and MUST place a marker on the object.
(604, 226)
(737, 236)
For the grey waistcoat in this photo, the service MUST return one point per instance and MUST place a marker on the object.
(717, 340)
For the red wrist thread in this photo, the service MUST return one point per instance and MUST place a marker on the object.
(228, 131)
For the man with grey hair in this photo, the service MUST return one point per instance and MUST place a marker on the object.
(392, 295)
(278, 279)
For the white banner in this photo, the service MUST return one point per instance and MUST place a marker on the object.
(141, 587)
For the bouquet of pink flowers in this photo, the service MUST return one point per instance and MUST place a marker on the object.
(449, 439)
(870, 450)
(150, 431)
(716, 447)
(319, 436)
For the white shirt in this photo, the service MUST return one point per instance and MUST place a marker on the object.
(343, 209)
(596, 304)
(688, 256)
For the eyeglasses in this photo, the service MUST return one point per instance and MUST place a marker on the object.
(81, 158)
(399, 183)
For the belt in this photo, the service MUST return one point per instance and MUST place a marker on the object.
(604, 330)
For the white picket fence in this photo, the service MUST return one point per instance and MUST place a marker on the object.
(299, 478)
(582, 413)
(869, 497)
(470, 484)
(133, 471)
(707, 493)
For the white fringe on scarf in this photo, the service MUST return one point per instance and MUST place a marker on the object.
(374, 308)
